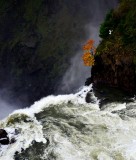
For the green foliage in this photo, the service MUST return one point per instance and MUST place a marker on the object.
(129, 27)
(122, 22)
(107, 25)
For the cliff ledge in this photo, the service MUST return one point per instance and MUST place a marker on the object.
(115, 60)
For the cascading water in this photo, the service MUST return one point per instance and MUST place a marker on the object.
(65, 127)
(77, 73)
(93, 12)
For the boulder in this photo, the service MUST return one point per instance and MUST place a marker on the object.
(89, 98)
(4, 139)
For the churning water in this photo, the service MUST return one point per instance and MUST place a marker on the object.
(65, 127)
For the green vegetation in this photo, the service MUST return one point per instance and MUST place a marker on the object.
(122, 23)
(107, 25)
(115, 60)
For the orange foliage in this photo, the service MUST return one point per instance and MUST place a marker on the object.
(87, 47)
(88, 59)
(88, 56)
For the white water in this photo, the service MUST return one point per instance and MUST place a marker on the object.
(76, 130)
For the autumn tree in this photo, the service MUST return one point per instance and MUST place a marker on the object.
(89, 52)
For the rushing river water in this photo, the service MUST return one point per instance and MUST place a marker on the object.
(65, 127)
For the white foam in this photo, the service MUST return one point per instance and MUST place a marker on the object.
(87, 133)
(28, 132)
(115, 106)
(78, 98)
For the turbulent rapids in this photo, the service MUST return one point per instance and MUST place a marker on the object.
(65, 127)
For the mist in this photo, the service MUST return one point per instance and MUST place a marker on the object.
(7, 103)
(77, 73)
(6, 108)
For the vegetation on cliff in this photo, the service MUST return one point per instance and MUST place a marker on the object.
(89, 52)
(116, 54)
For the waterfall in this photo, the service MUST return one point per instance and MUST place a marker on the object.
(77, 73)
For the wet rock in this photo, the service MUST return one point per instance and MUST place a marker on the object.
(88, 81)
(13, 140)
(4, 139)
(88, 97)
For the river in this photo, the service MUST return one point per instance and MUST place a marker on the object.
(66, 127)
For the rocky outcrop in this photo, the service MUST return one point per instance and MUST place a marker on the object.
(4, 139)
(115, 60)
(117, 74)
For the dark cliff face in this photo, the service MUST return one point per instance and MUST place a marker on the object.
(37, 39)
(116, 74)
(115, 60)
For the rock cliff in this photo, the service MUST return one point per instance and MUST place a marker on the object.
(115, 60)
(37, 39)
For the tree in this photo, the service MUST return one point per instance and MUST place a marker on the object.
(89, 52)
